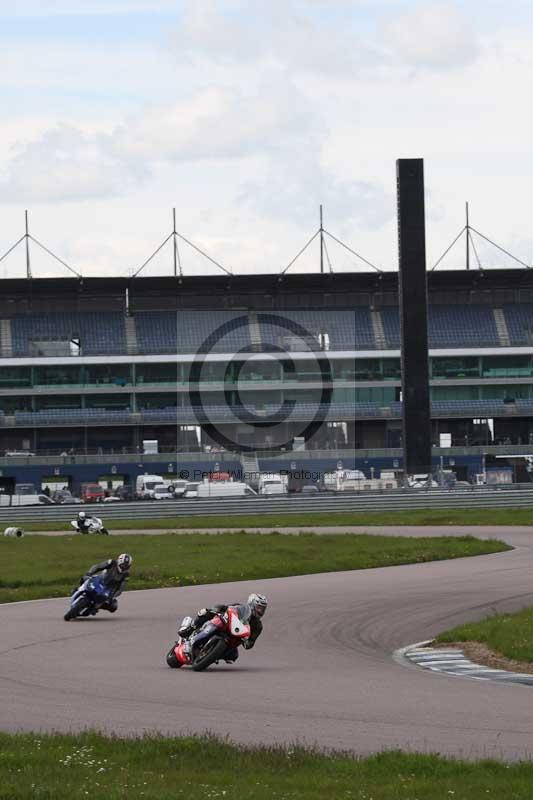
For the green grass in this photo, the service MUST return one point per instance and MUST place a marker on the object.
(42, 767)
(439, 516)
(508, 634)
(42, 566)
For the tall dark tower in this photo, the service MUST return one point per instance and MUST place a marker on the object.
(413, 315)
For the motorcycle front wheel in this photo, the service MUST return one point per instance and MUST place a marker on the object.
(104, 532)
(172, 660)
(212, 651)
(78, 608)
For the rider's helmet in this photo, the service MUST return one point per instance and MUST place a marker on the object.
(258, 604)
(124, 561)
(81, 515)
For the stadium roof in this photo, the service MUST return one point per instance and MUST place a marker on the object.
(54, 294)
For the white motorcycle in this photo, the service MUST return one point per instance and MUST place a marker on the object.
(95, 526)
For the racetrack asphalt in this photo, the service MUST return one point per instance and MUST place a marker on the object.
(322, 674)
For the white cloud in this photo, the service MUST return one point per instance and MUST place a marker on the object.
(277, 33)
(435, 35)
(220, 122)
(297, 187)
(65, 164)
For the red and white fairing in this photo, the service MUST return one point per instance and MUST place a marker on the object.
(230, 623)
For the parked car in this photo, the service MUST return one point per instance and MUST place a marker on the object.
(92, 493)
(124, 492)
(191, 490)
(64, 498)
(161, 492)
(310, 488)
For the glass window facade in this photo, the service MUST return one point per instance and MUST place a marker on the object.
(108, 374)
(15, 403)
(156, 373)
(57, 401)
(455, 367)
(156, 400)
(15, 377)
(516, 366)
(111, 402)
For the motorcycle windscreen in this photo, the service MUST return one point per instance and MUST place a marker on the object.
(95, 584)
(244, 612)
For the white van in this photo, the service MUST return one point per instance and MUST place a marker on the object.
(145, 485)
(179, 487)
(224, 489)
(273, 483)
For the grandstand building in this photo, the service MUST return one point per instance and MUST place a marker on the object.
(211, 367)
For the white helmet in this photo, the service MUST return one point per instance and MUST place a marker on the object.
(124, 562)
(258, 603)
(81, 515)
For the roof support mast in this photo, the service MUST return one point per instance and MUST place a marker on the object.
(467, 238)
(175, 235)
(321, 233)
(27, 238)
(321, 241)
(469, 230)
(177, 260)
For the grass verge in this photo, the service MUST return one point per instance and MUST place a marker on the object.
(508, 635)
(38, 566)
(438, 516)
(155, 768)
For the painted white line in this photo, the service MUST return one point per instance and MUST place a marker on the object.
(436, 654)
(455, 662)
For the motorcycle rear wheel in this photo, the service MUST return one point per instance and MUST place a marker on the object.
(78, 608)
(212, 651)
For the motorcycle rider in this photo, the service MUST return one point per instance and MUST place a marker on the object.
(114, 574)
(197, 631)
(84, 522)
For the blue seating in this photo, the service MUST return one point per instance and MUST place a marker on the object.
(519, 319)
(462, 326)
(191, 331)
(448, 326)
(345, 329)
(99, 332)
(73, 416)
(390, 318)
(228, 331)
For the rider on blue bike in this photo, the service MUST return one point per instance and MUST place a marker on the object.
(114, 573)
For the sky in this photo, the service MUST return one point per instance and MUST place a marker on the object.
(247, 115)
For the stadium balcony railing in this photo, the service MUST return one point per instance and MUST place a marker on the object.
(301, 411)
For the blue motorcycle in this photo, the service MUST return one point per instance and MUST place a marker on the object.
(88, 598)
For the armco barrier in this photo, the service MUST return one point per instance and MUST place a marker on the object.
(401, 500)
